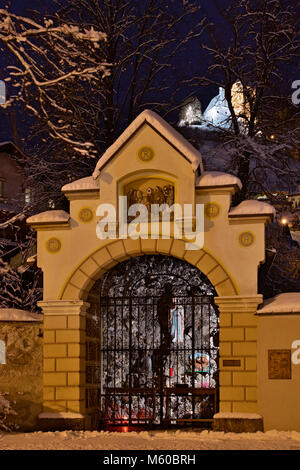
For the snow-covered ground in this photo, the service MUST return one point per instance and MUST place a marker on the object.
(156, 440)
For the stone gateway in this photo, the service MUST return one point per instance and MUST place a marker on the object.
(89, 375)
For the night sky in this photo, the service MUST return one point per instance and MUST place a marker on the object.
(194, 59)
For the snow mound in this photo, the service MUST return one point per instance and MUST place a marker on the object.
(176, 139)
(151, 440)
(282, 303)
(235, 415)
(217, 178)
(15, 314)
(83, 184)
(49, 217)
(252, 207)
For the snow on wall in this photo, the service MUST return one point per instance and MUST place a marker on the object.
(87, 183)
(179, 142)
(14, 314)
(252, 207)
(235, 415)
(49, 217)
(282, 303)
(217, 178)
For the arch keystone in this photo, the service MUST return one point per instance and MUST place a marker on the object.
(132, 247)
(148, 245)
(163, 246)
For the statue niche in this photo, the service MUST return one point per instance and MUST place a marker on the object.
(148, 192)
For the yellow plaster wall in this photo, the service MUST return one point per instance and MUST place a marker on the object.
(278, 399)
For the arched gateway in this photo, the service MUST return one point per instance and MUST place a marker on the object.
(159, 343)
(144, 329)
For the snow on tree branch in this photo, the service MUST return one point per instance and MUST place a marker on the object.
(47, 59)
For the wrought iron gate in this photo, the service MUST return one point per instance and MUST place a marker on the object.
(159, 344)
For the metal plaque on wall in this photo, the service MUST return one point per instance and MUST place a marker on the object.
(279, 364)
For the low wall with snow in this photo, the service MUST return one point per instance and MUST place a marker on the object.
(21, 360)
(279, 362)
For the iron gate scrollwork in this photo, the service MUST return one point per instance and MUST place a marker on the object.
(159, 343)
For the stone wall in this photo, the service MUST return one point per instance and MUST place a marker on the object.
(21, 375)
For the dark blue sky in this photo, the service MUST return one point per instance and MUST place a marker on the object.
(20, 6)
(194, 60)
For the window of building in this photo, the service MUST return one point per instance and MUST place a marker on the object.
(28, 197)
(2, 352)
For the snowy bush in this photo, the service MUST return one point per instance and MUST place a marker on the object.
(19, 289)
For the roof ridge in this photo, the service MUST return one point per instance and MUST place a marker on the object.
(162, 126)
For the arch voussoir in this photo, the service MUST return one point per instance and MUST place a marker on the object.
(93, 267)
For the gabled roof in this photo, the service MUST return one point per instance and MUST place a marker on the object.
(162, 127)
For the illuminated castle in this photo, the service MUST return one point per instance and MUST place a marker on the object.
(217, 114)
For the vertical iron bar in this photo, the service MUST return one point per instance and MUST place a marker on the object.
(130, 356)
(193, 355)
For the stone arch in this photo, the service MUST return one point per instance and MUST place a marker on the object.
(83, 277)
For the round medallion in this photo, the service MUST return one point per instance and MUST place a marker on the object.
(212, 210)
(246, 239)
(145, 154)
(53, 245)
(86, 214)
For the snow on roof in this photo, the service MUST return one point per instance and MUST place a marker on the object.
(6, 142)
(15, 314)
(217, 178)
(235, 415)
(282, 303)
(7, 145)
(252, 207)
(176, 139)
(47, 217)
(84, 184)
